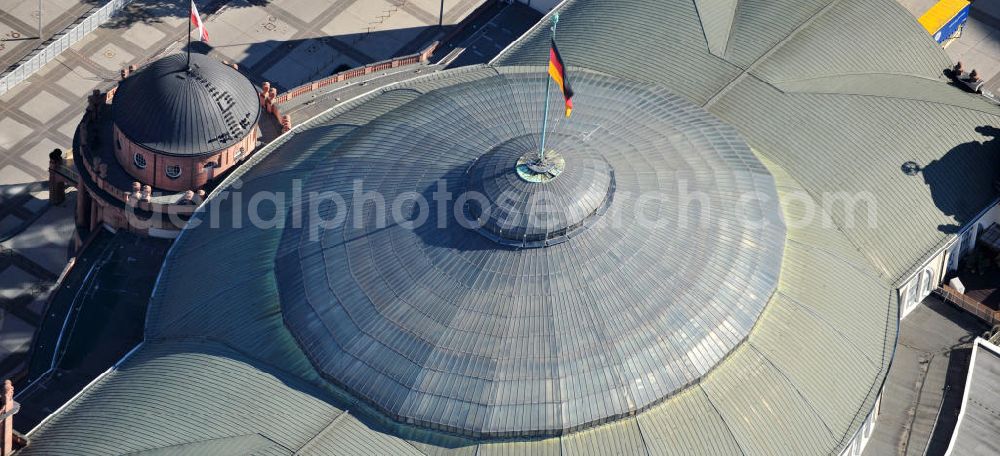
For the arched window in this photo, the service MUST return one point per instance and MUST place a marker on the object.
(139, 160)
(928, 281)
(173, 171)
(912, 296)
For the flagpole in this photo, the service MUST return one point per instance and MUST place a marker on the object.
(548, 91)
(190, 13)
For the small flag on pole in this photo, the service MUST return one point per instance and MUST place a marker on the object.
(558, 72)
(197, 22)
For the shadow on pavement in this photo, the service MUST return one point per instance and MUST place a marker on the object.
(290, 63)
(951, 403)
(154, 11)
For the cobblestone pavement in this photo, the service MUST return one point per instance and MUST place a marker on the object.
(29, 266)
(287, 42)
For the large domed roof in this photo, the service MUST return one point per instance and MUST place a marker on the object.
(581, 297)
(168, 108)
(805, 381)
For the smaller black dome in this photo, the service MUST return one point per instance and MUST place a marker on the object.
(166, 108)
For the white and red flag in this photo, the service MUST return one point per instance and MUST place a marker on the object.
(197, 22)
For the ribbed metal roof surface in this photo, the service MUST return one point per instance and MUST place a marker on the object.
(167, 109)
(791, 83)
(442, 326)
(834, 116)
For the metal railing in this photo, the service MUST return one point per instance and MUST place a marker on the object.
(66, 169)
(58, 43)
(968, 304)
(419, 57)
(272, 102)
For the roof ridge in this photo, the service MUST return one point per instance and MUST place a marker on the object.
(767, 54)
(722, 418)
(812, 407)
(784, 90)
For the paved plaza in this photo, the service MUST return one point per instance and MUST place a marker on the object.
(286, 42)
(19, 24)
(29, 265)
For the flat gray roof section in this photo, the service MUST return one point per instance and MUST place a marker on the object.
(978, 429)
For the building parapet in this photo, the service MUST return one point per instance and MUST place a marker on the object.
(9, 440)
(96, 167)
(271, 100)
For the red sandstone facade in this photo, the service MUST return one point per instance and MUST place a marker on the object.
(186, 172)
(131, 206)
(10, 440)
(123, 185)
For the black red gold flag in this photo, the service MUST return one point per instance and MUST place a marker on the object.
(557, 69)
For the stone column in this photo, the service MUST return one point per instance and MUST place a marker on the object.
(7, 410)
(83, 207)
(57, 185)
(95, 215)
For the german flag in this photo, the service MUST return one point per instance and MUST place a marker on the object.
(558, 72)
